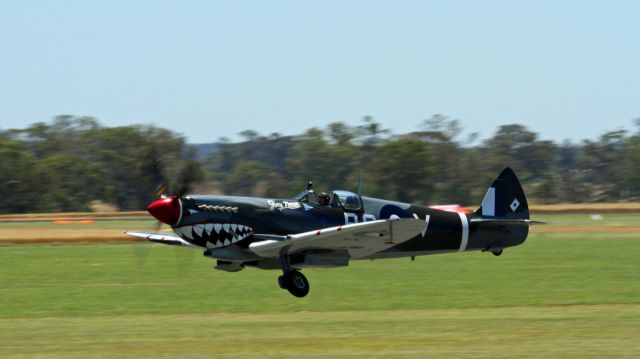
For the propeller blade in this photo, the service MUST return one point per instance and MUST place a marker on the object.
(191, 173)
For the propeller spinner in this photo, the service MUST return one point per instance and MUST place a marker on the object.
(167, 210)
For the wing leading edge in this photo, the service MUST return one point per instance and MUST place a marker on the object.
(169, 239)
(360, 240)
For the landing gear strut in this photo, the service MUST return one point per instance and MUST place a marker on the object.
(292, 280)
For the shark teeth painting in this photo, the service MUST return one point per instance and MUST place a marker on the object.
(214, 235)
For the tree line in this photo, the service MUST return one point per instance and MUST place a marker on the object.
(67, 164)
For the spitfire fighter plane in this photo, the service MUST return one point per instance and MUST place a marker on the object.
(326, 231)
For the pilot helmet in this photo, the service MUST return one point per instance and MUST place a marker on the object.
(323, 198)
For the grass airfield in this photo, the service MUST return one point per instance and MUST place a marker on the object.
(571, 291)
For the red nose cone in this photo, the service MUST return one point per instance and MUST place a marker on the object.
(166, 210)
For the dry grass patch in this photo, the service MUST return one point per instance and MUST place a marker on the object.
(585, 207)
(73, 215)
(62, 235)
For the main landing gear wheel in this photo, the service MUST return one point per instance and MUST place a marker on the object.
(292, 280)
(295, 282)
(497, 253)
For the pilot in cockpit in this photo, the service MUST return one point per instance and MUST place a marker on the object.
(323, 199)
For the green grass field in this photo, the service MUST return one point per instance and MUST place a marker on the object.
(569, 294)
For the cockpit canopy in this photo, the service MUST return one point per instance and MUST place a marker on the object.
(347, 200)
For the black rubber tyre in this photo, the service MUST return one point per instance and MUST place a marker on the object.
(497, 253)
(296, 283)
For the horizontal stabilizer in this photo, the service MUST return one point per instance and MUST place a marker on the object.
(505, 221)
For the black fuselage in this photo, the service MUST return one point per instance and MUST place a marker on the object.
(445, 231)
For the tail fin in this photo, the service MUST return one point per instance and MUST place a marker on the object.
(504, 199)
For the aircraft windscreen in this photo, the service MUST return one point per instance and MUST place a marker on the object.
(348, 200)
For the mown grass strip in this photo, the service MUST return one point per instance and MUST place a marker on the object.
(550, 332)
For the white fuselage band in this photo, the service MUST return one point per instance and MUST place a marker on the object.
(465, 231)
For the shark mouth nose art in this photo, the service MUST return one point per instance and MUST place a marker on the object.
(214, 234)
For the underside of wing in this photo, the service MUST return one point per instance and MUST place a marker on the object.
(169, 239)
(358, 240)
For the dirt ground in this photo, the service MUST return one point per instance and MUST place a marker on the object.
(584, 207)
(62, 235)
(71, 215)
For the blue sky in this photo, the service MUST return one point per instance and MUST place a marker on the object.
(565, 69)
